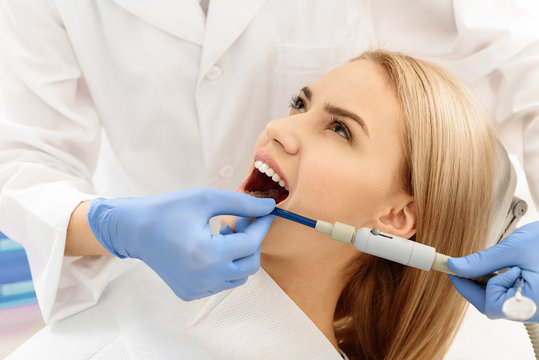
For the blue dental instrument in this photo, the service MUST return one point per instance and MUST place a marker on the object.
(411, 253)
(397, 249)
(374, 242)
(294, 217)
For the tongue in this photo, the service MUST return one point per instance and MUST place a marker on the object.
(270, 193)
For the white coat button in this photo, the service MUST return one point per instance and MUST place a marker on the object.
(214, 73)
(227, 171)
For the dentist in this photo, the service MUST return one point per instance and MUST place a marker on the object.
(109, 99)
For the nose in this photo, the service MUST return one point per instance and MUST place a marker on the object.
(284, 133)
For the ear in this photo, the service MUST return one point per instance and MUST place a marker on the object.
(399, 220)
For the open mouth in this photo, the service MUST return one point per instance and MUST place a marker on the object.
(264, 182)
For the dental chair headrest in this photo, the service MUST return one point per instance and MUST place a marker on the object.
(507, 209)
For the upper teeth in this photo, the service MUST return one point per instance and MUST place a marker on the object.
(265, 168)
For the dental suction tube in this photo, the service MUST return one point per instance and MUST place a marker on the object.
(374, 242)
(390, 247)
(420, 256)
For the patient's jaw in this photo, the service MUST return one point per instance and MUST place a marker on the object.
(335, 168)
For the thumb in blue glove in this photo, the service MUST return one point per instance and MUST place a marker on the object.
(248, 262)
(170, 232)
(519, 252)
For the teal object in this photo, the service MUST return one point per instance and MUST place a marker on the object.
(16, 287)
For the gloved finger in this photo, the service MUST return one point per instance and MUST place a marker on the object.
(179, 293)
(499, 289)
(484, 262)
(505, 280)
(229, 284)
(474, 293)
(248, 265)
(239, 204)
(224, 285)
(226, 230)
(237, 282)
(245, 243)
(241, 223)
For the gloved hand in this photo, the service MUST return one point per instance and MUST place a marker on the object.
(170, 232)
(520, 251)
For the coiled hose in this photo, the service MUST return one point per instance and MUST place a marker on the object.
(517, 210)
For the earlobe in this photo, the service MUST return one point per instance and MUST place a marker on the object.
(399, 221)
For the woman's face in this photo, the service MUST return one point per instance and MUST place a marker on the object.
(339, 154)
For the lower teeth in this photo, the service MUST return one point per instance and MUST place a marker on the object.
(271, 193)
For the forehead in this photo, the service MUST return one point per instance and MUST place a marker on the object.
(360, 77)
(362, 87)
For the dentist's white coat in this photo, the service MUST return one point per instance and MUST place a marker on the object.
(182, 98)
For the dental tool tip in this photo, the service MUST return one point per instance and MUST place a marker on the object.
(294, 217)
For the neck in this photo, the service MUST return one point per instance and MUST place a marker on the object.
(315, 289)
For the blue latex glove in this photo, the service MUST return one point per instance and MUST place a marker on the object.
(170, 232)
(520, 252)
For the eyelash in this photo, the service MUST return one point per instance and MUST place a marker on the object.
(294, 102)
(334, 121)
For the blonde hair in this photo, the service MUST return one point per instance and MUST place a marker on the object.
(388, 311)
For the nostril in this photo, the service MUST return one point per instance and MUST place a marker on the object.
(284, 134)
(287, 142)
(278, 142)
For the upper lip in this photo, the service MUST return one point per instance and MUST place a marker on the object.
(264, 156)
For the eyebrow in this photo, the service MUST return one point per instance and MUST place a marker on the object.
(338, 111)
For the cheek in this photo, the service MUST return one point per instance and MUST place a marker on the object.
(342, 187)
(333, 191)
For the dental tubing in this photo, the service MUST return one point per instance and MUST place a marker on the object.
(374, 242)
(409, 253)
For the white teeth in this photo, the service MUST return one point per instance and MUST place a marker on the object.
(264, 168)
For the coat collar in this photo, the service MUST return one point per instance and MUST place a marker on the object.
(227, 19)
(182, 18)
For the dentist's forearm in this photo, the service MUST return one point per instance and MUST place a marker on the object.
(80, 239)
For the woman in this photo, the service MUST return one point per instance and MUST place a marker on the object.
(421, 152)
(384, 141)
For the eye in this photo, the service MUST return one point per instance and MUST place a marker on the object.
(340, 128)
(297, 103)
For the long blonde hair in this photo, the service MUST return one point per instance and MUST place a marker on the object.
(388, 311)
